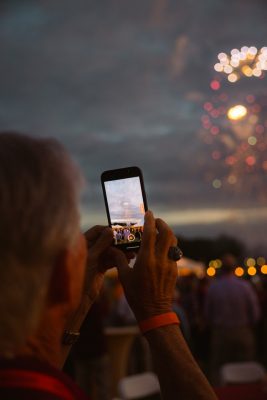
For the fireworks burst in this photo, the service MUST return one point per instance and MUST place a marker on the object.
(248, 62)
(237, 136)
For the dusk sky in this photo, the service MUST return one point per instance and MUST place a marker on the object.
(124, 83)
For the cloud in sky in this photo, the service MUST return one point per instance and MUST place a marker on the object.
(123, 83)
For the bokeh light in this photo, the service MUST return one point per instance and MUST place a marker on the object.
(237, 138)
(215, 85)
(252, 271)
(217, 184)
(264, 269)
(239, 271)
(252, 140)
(261, 261)
(251, 262)
(211, 271)
(234, 125)
(215, 263)
(248, 62)
(237, 112)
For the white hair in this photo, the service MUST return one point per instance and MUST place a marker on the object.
(39, 216)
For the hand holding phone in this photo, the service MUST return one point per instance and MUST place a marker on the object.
(126, 204)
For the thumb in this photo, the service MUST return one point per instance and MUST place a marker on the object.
(102, 243)
(121, 263)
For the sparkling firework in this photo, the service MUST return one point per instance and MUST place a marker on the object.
(248, 62)
(237, 136)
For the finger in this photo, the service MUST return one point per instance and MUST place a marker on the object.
(121, 262)
(108, 258)
(165, 238)
(149, 234)
(130, 255)
(93, 233)
(104, 240)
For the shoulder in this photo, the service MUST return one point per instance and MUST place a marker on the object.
(43, 381)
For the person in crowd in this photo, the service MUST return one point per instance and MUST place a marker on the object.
(51, 273)
(121, 313)
(90, 355)
(180, 311)
(232, 310)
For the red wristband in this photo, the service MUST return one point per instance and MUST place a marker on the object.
(168, 318)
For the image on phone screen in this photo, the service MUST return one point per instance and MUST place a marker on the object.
(126, 210)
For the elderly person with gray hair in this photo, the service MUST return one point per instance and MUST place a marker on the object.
(50, 274)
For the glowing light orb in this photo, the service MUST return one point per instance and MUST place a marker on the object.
(237, 160)
(264, 269)
(215, 85)
(250, 161)
(217, 184)
(211, 271)
(252, 140)
(239, 271)
(232, 78)
(222, 56)
(247, 71)
(247, 62)
(218, 67)
(237, 112)
(232, 179)
(251, 262)
(228, 69)
(261, 261)
(215, 263)
(252, 271)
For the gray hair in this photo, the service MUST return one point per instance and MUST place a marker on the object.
(39, 194)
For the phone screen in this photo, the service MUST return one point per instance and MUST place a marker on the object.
(126, 207)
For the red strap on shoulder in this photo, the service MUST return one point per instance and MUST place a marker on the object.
(16, 378)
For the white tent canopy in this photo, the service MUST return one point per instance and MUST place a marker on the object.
(188, 266)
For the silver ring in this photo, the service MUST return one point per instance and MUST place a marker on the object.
(175, 253)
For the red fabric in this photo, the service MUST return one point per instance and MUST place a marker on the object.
(245, 391)
(29, 379)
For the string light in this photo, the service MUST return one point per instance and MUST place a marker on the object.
(261, 261)
(239, 271)
(252, 271)
(251, 262)
(211, 271)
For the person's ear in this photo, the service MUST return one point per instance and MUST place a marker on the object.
(67, 279)
(59, 290)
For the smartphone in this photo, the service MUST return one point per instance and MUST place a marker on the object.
(126, 204)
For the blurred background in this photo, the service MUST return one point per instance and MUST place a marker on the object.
(133, 83)
(178, 88)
